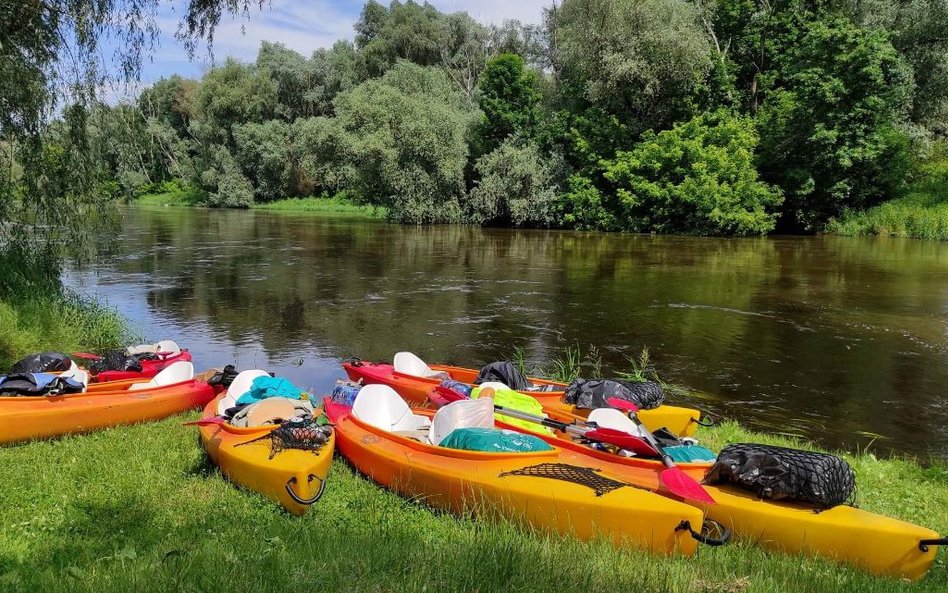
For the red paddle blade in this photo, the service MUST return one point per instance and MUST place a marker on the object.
(86, 355)
(622, 404)
(620, 439)
(684, 486)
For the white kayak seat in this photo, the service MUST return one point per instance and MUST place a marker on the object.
(614, 419)
(409, 364)
(380, 406)
(464, 413)
(176, 372)
(81, 377)
(168, 347)
(239, 386)
(495, 385)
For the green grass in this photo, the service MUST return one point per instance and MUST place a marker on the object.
(163, 519)
(337, 205)
(169, 193)
(51, 320)
(920, 214)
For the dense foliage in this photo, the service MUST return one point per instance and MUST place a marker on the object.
(693, 116)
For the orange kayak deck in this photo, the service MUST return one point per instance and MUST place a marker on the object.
(40, 417)
(507, 485)
(678, 420)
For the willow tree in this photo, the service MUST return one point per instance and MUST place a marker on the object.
(52, 72)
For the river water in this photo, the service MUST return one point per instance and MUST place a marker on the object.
(843, 341)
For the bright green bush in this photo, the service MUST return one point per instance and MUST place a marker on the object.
(697, 178)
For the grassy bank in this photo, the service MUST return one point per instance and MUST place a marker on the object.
(169, 193)
(336, 205)
(920, 214)
(55, 321)
(164, 520)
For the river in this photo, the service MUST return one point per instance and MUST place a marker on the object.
(839, 340)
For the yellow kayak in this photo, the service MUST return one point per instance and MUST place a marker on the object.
(295, 478)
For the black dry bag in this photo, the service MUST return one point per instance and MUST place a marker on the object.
(592, 393)
(780, 473)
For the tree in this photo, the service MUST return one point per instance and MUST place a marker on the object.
(507, 95)
(697, 178)
(406, 134)
(516, 186)
(832, 125)
(263, 154)
(50, 57)
(637, 59)
(231, 95)
(292, 77)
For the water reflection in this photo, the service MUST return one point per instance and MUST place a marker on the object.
(832, 338)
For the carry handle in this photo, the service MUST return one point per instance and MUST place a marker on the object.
(704, 536)
(305, 501)
(923, 545)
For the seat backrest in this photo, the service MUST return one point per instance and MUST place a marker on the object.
(614, 419)
(381, 407)
(168, 346)
(80, 376)
(175, 372)
(495, 385)
(465, 413)
(408, 363)
(141, 349)
(239, 386)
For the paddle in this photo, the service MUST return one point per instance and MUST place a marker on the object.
(86, 355)
(677, 481)
(609, 436)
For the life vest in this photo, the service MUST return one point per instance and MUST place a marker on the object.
(36, 384)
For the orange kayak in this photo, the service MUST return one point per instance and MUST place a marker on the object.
(879, 544)
(292, 477)
(532, 487)
(679, 421)
(40, 417)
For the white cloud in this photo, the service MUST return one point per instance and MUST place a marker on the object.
(301, 25)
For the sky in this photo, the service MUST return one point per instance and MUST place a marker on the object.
(302, 25)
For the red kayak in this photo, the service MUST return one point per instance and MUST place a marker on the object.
(161, 355)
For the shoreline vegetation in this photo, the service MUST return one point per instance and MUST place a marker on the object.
(338, 205)
(812, 119)
(166, 516)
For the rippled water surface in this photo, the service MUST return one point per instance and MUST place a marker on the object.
(841, 340)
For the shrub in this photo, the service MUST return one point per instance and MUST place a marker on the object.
(516, 187)
(697, 178)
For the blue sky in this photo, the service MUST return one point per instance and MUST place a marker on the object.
(303, 25)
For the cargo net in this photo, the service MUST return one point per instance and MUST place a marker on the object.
(307, 435)
(779, 473)
(584, 476)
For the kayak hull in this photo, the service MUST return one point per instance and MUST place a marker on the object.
(415, 390)
(30, 418)
(482, 483)
(293, 478)
(879, 544)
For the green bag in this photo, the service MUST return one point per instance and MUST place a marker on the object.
(690, 453)
(493, 440)
(508, 398)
